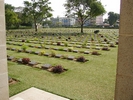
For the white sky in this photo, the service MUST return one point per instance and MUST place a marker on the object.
(59, 10)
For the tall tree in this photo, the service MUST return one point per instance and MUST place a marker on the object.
(37, 10)
(11, 17)
(25, 21)
(112, 18)
(8, 6)
(83, 10)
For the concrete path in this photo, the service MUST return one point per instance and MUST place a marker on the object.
(36, 94)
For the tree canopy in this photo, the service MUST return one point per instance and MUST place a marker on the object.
(83, 10)
(37, 10)
(11, 16)
(112, 18)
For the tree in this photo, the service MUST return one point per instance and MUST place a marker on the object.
(25, 21)
(11, 16)
(83, 10)
(105, 21)
(112, 18)
(8, 6)
(37, 10)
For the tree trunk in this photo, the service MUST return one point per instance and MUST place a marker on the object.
(35, 25)
(81, 28)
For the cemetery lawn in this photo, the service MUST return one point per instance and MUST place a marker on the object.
(92, 80)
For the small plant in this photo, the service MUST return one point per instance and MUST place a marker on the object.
(35, 39)
(66, 44)
(8, 48)
(81, 59)
(25, 60)
(57, 69)
(58, 43)
(105, 49)
(70, 49)
(92, 39)
(81, 51)
(23, 40)
(33, 52)
(60, 49)
(116, 42)
(95, 53)
(27, 41)
(17, 50)
(24, 47)
(108, 42)
(105, 40)
(64, 57)
(84, 45)
(42, 52)
(53, 53)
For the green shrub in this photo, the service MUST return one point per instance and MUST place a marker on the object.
(24, 47)
(27, 41)
(70, 49)
(60, 49)
(53, 53)
(66, 44)
(42, 52)
(35, 39)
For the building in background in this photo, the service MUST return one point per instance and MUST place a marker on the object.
(18, 9)
(63, 21)
(69, 22)
(98, 21)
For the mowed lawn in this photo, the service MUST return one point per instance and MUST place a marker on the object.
(92, 80)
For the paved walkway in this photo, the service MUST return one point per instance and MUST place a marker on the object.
(36, 94)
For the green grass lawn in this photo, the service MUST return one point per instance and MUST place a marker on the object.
(92, 80)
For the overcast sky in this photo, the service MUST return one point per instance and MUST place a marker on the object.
(59, 10)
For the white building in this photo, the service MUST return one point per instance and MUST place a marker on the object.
(63, 21)
(18, 9)
(99, 20)
(94, 21)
